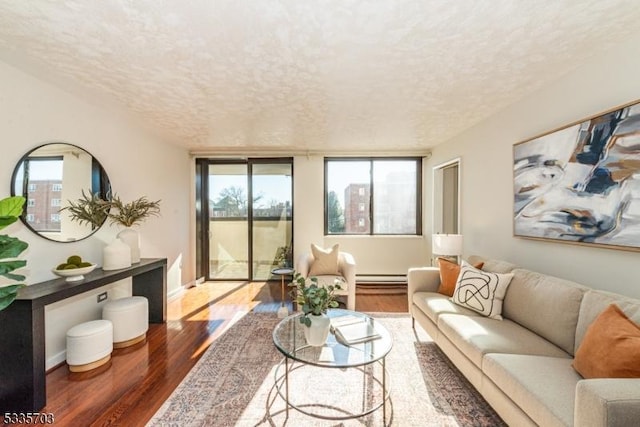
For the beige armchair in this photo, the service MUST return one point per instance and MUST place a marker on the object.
(346, 274)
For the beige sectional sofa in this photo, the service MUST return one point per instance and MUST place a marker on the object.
(522, 364)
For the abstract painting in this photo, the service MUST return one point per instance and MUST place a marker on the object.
(581, 183)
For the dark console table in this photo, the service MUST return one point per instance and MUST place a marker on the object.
(22, 340)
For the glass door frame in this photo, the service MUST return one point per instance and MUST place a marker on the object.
(202, 212)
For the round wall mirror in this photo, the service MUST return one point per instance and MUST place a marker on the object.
(51, 176)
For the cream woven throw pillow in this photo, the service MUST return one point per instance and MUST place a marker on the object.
(325, 261)
(481, 291)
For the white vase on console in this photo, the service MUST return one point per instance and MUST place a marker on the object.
(132, 238)
(116, 255)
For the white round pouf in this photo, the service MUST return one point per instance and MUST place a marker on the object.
(130, 318)
(89, 345)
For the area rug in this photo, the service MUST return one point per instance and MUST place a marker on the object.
(233, 384)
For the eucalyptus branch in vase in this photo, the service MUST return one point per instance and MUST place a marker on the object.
(134, 212)
(129, 214)
(90, 209)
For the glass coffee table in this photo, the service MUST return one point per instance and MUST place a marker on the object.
(306, 376)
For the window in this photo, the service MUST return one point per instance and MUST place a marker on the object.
(30, 217)
(32, 187)
(31, 203)
(55, 202)
(55, 217)
(373, 196)
(56, 187)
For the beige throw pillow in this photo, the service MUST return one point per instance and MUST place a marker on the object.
(325, 261)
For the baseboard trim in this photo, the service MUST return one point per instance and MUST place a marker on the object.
(176, 292)
(56, 361)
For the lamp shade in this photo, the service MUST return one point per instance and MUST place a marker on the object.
(446, 244)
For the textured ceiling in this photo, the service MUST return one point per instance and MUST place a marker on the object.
(308, 74)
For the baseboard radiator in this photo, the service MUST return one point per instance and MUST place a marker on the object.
(381, 279)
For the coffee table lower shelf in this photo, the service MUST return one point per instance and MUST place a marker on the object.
(371, 378)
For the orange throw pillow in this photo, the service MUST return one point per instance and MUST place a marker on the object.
(610, 348)
(449, 272)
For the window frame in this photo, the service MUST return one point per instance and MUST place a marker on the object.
(371, 160)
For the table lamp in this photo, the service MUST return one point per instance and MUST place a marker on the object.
(446, 246)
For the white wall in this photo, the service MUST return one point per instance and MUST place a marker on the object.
(374, 255)
(609, 80)
(33, 112)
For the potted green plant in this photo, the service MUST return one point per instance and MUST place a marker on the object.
(283, 256)
(10, 249)
(314, 301)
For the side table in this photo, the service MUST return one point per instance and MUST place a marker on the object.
(283, 311)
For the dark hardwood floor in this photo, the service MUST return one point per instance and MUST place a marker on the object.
(134, 384)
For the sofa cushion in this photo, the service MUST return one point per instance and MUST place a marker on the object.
(325, 261)
(433, 304)
(594, 303)
(610, 348)
(481, 291)
(547, 305)
(492, 265)
(476, 336)
(544, 387)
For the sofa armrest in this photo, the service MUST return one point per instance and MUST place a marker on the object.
(347, 267)
(423, 279)
(607, 402)
(303, 264)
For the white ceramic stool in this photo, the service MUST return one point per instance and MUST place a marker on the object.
(89, 345)
(130, 318)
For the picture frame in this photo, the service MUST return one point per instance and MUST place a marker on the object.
(580, 183)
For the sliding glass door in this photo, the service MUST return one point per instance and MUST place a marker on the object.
(228, 221)
(247, 229)
(271, 217)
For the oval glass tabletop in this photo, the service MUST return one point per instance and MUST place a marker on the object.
(282, 271)
(288, 337)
